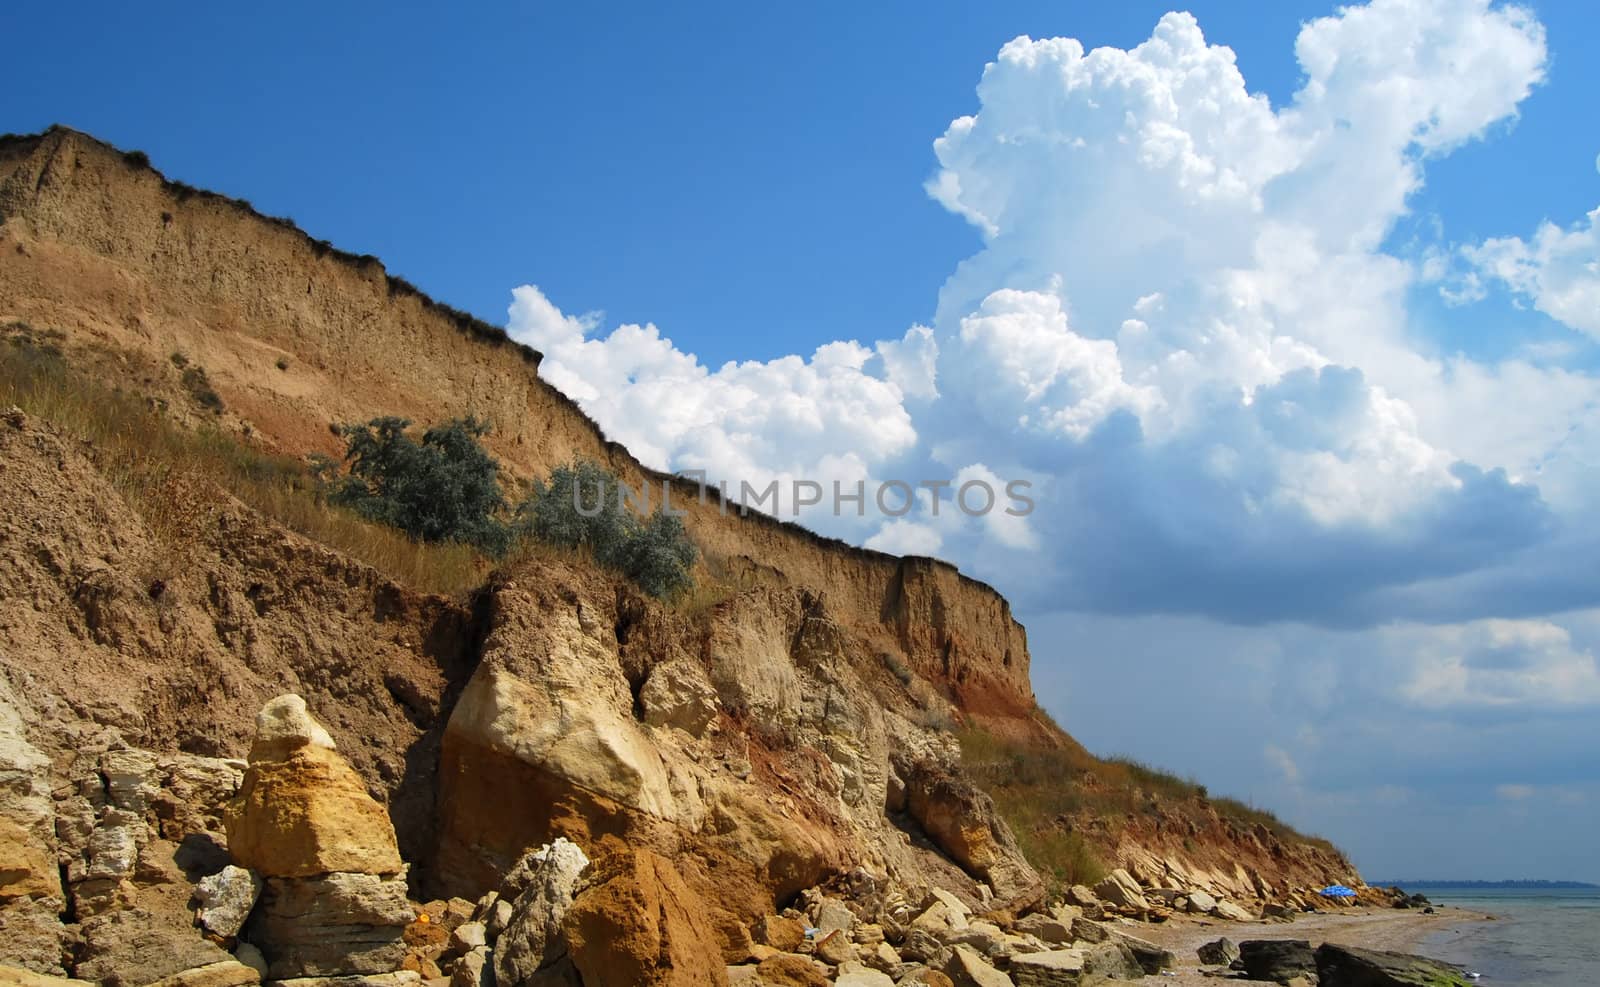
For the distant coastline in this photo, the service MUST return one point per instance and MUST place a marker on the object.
(1532, 885)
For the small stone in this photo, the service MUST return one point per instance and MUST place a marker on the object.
(226, 898)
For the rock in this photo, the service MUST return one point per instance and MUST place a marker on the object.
(1087, 931)
(679, 694)
(1200, 902)
(863, 978)
(475, 969)
(1151, 958)
(961, 819)
(985, 937)
(833, 915)
(1277, 960)
(1046, 928)
(1054, 968)
(834, 948)
(1111, 960)
(1277, 912)
(544, 882)
(16, 976)
(789, 970)
(31, 896)
(225, 973)
(399, 978)
(637, 923)
(883, 957)
(226, 898)
(333, 925)
(966, 968)
(1347, 966)
(500, 914)
(302, 811)
(251, 957)
(1120, 889)
(132, 946)
(1233, 913)
(938, 919)
(1218, 952)
(782, 934)
(1082, 897)
(467, 937)
(925, 977)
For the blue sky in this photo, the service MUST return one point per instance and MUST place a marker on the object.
(1307, 389)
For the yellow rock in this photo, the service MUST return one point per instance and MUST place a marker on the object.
(303, 810)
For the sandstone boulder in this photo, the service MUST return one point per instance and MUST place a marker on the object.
(302, 810)
(1200, 902)
(1120, 889)
(1053, 968)
(1232, 912)
(966, 968)
(332, 925)
(636, 923)
(1046, 928)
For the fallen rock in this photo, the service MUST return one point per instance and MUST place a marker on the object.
(863, 978)
(1111, 960)
(1347, 966)
(1120, 889)
(1089, 931)
(225, 973)
(790, 970)
(637, 923)
(1278, 960)
(782, 934)
(127, 947)
(16, 976)
(225, 899)
(962, 820)
(1047, 928)
(475, 969)
(399, 978)
(1232, 912)
(543, 883)
(302, 811)
(1055, 968)
(966, 968)
(1150, 957)
(1218, 952)
(333, 925)
(1201, 903)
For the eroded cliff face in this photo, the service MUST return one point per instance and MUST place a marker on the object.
(107, 250)
(795, 730)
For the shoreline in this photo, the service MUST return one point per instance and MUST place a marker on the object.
(1391, 929)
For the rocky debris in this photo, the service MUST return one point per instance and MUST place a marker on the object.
(1218, 952)
(1278, 960)
(1082, 897)
(225, 899)
(1055, 968)
(533, 942)
(1200, 902)
(302, 810)
(334, 897)
(1347, 966)
(790, 970)
(636, 922)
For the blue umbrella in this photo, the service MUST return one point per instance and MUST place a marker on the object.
(1337, 891)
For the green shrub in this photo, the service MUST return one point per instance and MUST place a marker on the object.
(445, 488)
(581, 507)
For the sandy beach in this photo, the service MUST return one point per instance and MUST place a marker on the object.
(1399, 930)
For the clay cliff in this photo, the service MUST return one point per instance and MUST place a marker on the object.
(165, 578)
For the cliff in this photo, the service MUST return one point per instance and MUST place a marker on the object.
(167, 571)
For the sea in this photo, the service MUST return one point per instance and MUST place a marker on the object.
(1543, 937)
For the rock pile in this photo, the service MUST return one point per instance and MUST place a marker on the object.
(333, 899)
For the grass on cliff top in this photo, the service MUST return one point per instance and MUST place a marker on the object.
(1044, 793)
(153, 463)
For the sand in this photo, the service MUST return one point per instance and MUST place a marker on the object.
(1399, 930)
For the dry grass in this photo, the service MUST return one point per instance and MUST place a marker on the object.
(1043, 791)
(151, 461)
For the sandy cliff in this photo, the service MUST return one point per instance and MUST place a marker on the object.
(794, 730)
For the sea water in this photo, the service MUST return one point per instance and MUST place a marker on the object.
(1543, 937)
